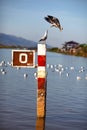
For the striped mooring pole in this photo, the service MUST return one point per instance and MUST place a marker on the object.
(41, 80)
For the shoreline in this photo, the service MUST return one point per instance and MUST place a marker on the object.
(79, 53)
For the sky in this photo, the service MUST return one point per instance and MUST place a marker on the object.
(25, 18)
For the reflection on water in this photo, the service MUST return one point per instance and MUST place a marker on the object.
(66, 94)
(40, 124)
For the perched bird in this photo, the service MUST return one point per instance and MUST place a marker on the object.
(44, 37)
(54, 21)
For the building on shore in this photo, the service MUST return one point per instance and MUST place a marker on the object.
(70, 46)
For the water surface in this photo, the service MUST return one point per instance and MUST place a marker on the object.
(66, 96)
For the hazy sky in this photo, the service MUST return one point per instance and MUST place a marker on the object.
(25, 18)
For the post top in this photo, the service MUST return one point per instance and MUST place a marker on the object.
(41, 49)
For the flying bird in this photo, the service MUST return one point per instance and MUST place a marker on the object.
(54, 21)
(44, 37)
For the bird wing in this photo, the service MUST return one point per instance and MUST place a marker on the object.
(48, 20)
(57, 21)
(54, 19)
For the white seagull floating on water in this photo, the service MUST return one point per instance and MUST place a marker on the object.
(44, 37)
(54, 21)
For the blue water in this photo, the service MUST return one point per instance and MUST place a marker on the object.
(66, 95)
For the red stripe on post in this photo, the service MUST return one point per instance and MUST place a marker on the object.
(41, 83)
(41, 60)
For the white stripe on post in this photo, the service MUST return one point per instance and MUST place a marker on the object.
(41, 49)
(41, 72)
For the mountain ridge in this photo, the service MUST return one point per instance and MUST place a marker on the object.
(11, 40)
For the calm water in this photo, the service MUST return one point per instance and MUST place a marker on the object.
(66, 95)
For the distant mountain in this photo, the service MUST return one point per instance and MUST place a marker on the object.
(10, 40)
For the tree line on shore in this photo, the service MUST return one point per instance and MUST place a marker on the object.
(80, 51)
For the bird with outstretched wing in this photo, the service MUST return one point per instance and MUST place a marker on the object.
(54, 21)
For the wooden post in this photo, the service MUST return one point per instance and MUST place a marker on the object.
(41, 80)
(40, 124)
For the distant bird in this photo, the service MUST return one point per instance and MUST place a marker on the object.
(44, 37)
(25, 75)
(54, 21)
(78, 77)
